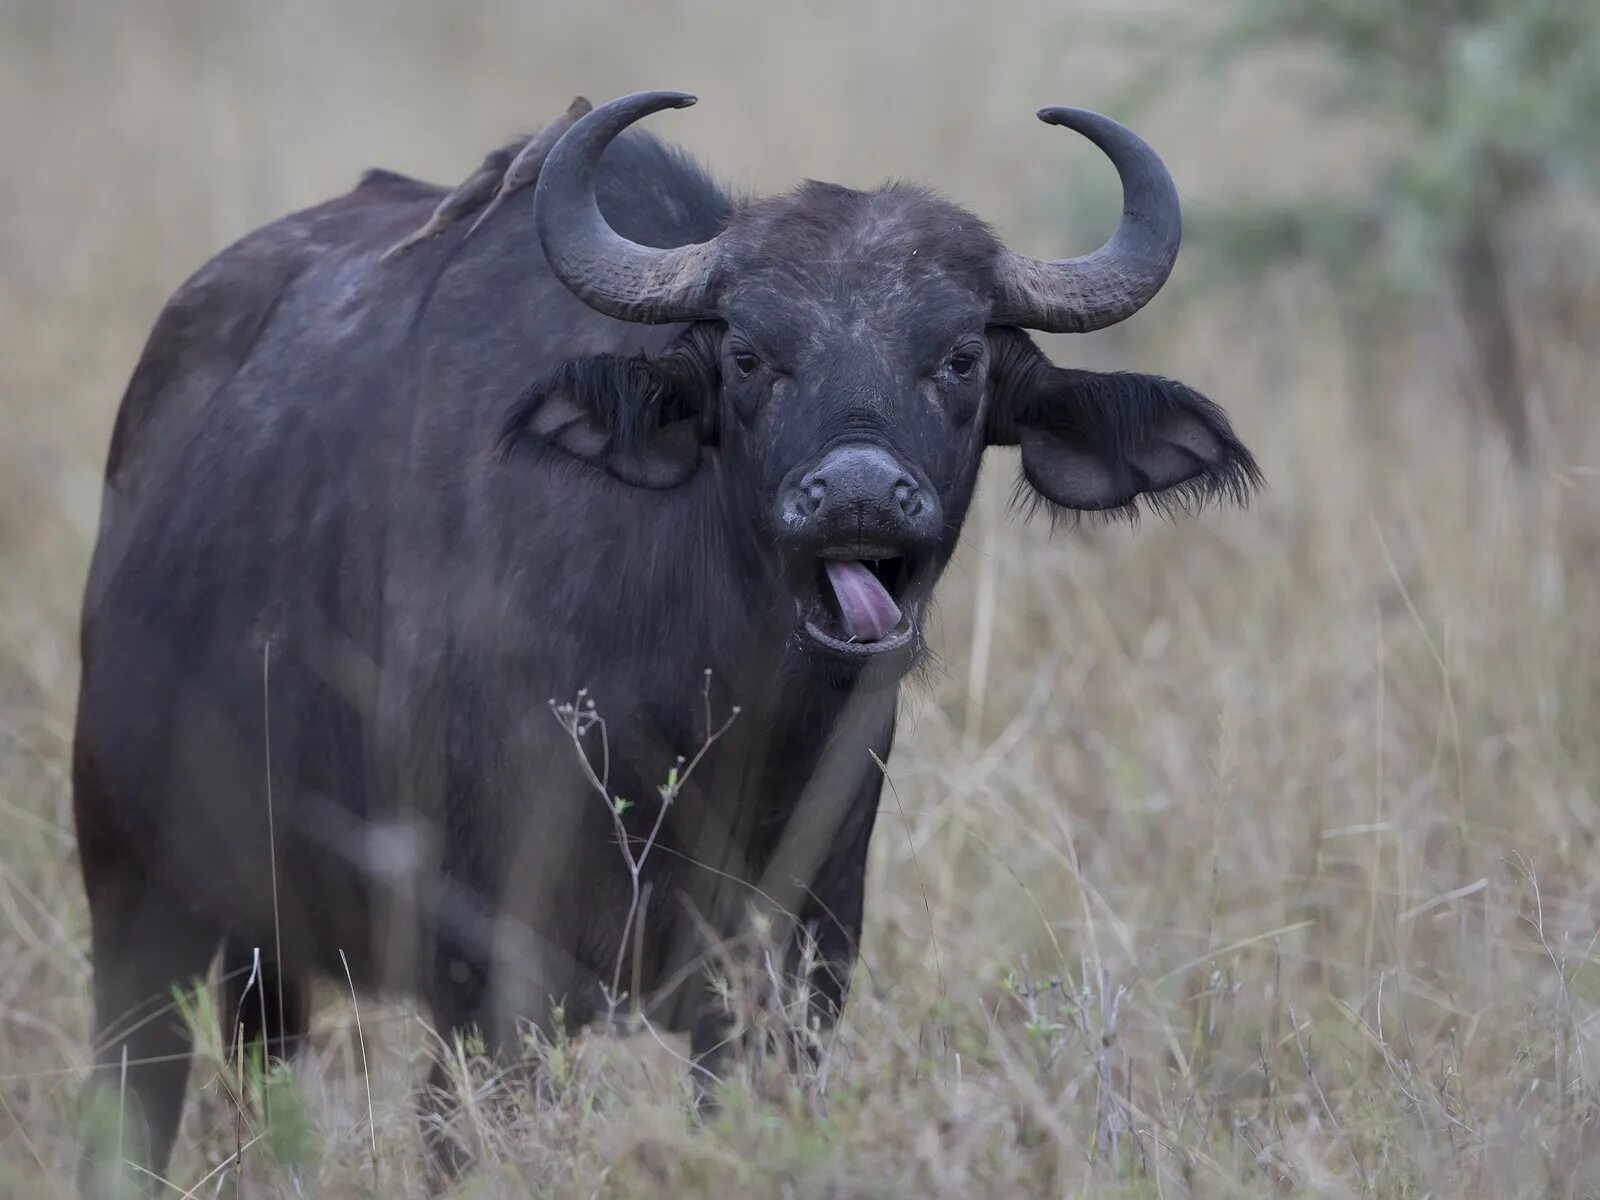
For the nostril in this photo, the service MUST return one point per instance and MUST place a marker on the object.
(909, 497)
(809, 496)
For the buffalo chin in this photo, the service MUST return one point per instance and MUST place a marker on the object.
(842, 663)
(899, 640)
(856, 666)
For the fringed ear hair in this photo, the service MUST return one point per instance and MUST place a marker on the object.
(1107, 443)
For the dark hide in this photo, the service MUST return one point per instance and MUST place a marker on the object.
(365, 521)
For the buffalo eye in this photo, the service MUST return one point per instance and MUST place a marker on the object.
(744, 362)
(961, 364)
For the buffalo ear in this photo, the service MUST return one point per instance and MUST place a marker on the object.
(1101, 442)
(638, 419)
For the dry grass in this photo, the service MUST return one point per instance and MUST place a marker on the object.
(1247, 856)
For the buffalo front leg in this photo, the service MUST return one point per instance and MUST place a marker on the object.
(794, 1017)
(802, 1007)
(263, 1003)
(823, 954)
(712, 1047)
(461, 1001)
(828, 938)
(483, 1001)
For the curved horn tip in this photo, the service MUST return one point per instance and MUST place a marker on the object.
(1112, 283)
(636, 105)
(666, 99)
(1071, 118)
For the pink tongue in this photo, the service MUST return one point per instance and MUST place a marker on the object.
(869, 611)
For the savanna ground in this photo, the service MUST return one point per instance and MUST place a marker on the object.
(1248, 855)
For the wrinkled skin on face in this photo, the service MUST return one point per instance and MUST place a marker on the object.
(848, 392)
(853, 364)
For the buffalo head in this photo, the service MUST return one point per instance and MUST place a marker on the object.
(847, 357)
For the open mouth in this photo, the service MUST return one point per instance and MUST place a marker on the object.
(859, 606)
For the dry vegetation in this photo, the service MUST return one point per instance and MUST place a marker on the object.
(1254, 855)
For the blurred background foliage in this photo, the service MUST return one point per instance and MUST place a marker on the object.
(1489, 115)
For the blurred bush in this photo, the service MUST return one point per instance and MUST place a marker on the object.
(1489, 113)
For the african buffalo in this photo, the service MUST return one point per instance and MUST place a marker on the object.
(508, 616)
